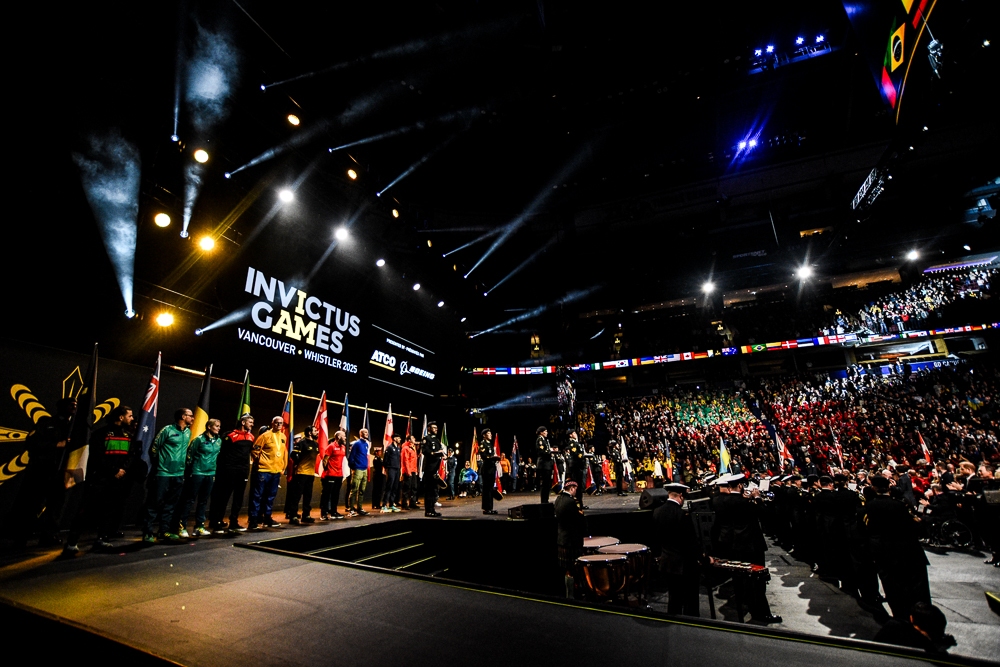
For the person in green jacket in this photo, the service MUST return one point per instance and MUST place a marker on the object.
(202, 454)
(168, 455)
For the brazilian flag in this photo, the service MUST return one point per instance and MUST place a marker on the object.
(201, 412)
(245, 400)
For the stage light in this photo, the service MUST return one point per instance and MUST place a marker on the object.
(925, 128)
(708, 287)
(206, 243)
(758, 52)
(752, 143)
(228, 175)
(820, 39)
(201, 155)
(162, 220)
(912, 255)
(293, 119)
(967, 248)
(440, 304)
(184, 234)
(986, 42)
(351, 174)
(129, 313)
(429, 244)
(742, 145)
(174, 138)
(804, 272)
(380, 263)
(416, 286)
(164, 319)
(263, 87)
(486, 293)
(799, 41)
(286, 195)
(395, 213)
(464, 318)
(770, 48)
(340, 234)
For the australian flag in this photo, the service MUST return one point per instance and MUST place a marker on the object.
(146, 428)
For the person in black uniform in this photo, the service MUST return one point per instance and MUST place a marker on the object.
(615, 455)
(108, 483)
(543, 458)
(570, 529)
(430, 448)
(576, 467)
(893, 535)
(681, 554)
(391, 461)
(739, 537)
(488, 471)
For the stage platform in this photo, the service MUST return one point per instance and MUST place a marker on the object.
(208, 603)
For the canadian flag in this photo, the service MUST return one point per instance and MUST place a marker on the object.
(387, 438)
(923, 446)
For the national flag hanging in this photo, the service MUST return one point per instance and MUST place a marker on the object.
(409, 418)
(923, 446)
(78, 447)
(723, 457)
(146, 426)
(657, 469)
(496, 451)
(364, 422)
(201, 412)
(837, 448)
(287, 414)
(588, 482)
(783, 451)
(345, 418)
(423, 433)
(245, 397)
(515, 463)
(387, 436)
(474, 452)
(443, 468)
(321, 424)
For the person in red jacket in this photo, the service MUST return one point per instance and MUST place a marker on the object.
(408, 471)
(333, 477)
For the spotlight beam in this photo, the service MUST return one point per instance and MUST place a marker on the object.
(483, 237)
(523, 264)
(541, 396)
(567, 170)
(232, 318)
(297, 140)
(413, 167)
(406, 49)
(535, 312)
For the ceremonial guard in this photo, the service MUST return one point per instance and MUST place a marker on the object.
(681, 554)
(543, 457)
(618, 465)
(488, 471)
(576, 464)
(430, 448)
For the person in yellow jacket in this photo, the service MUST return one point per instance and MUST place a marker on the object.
(270, 457)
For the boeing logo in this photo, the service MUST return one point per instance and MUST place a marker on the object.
(407, 369)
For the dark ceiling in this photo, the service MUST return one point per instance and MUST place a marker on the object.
(611, 132)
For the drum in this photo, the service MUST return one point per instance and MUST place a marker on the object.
(639, 557)
(604, 575)
(592, 544)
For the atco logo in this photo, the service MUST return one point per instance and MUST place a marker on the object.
(384, 360)
(406, 369)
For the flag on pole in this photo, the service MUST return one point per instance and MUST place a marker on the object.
(923, 446)
(201, 412)
(423, 433)
(515, 464)
(387, 437)
(146, 426)
(78, 447)
(783, 451)
(723, 457)
(443, 470)
(345, 426)
(496, 451)
(287, 414)
(409, 418)
(474, 452)
(837, 448)
(588, 482)
(364, 422)
(321, 424)
(245, 397)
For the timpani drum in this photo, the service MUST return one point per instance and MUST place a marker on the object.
(592, 544)
(639, 557)
(604, 575)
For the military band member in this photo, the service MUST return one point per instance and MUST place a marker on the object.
(430, 447)
(681, 554)
(488, 471)
(543, 458)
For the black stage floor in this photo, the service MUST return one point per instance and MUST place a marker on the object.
(207, 603)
